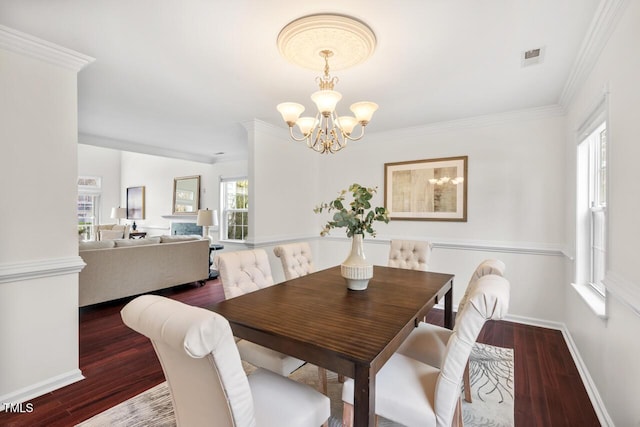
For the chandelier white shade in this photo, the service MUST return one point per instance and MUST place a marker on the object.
(328, 36)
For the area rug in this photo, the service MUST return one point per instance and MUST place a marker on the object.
(492, 386)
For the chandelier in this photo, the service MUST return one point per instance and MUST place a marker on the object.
(351, 41)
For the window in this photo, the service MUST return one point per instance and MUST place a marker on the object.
(89, 191)
(234, 195)
(592, 209)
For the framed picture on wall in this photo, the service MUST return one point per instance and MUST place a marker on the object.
(135, 203)
(427, 190)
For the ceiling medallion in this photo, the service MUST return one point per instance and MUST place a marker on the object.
(351, 41)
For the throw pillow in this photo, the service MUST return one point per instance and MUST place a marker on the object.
(111, 234)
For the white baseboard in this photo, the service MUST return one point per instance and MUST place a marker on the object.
(592, 391)
(42, 387)
(589, 385)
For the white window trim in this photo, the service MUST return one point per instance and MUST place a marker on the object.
(594, 299)
(222, 229)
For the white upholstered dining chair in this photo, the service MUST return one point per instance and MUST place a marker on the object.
(204, 374)
(296, 259)
(427, 342)
(409, 254)
(413, 393)
(242, 272)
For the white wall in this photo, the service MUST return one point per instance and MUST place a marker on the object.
(39, 261)
(283, 181)
(515, 200)
(156, 174)
(609, 348)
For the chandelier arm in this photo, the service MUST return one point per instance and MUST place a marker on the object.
(293, 136)
(315, 135)
(350, 138)
(328, 134)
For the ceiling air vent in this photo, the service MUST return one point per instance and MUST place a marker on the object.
(533, 56)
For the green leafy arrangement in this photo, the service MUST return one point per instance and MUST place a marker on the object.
(355, 218)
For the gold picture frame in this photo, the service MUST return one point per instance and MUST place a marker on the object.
(186, 195)
(427, 190)
(135, 202)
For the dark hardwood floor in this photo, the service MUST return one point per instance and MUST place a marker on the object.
(119, 364)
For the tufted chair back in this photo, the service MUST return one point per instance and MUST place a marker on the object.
(488, 266)
(409, 254)
(242, 272)
(199, 359)
(296, 259)
(488, 300)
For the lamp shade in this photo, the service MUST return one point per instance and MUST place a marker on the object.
(290, 111)
(364, 111)
(205, 218)
(306, 124)
(326, 100)
(346, 123)
(118, 213)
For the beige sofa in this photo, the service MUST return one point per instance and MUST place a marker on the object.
(126, 267)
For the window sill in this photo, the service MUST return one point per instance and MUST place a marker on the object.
(594, 300)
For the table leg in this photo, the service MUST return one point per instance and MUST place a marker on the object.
(448, 308)
(364, 397)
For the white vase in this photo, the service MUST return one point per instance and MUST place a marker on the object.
(356, 269)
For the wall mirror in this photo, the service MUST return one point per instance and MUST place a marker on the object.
(186, 195)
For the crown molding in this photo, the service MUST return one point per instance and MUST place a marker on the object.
(261, 126)
(602, 25)
(135, 147)
(25, 44)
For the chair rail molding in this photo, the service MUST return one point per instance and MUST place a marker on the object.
(523, 248)
(36, 269)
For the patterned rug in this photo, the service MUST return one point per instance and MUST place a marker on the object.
(492, 386)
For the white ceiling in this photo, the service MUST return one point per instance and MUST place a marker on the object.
(184, 74)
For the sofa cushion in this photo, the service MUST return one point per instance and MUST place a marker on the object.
(178, 238)
(100, 244)
(111, 234)
(136, 242)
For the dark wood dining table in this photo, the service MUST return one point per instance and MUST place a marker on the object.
(317, 319)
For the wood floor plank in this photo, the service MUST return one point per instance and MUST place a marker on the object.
(119, 364)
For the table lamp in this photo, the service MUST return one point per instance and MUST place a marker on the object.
(118, 213)
(206, 220)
